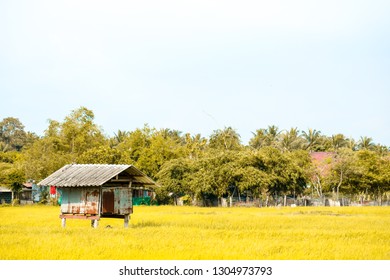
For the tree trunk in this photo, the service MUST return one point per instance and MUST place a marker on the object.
(339, 185)
(318, 187)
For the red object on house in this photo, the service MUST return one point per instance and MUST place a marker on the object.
(52, 190)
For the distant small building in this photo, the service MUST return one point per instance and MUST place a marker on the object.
(25, 195)
(321, 156)
(92, 191)
(6, 195)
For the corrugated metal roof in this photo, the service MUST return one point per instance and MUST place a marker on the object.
(84, 175)
(4, 189)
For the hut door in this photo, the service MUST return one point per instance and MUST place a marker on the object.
(108, 202)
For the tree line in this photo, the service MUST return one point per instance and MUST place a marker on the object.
(273, 163)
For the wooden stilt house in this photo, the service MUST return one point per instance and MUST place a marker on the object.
(92, 191)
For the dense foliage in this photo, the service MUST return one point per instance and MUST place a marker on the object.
(274, 162)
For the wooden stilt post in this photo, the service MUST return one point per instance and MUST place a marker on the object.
(127, 219)
(94, 223)
(127, 216)
(63, 222)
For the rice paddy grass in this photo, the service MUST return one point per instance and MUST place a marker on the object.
(194, 233)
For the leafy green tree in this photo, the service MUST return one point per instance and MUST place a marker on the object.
(175, 177)
(101, 155)
(299, 162)
(9, 157)
(195, 145)
(63, 143)
(373, 175)
(251, 175)
(286, 171)
(80, 133)
(343, 169)
(163, 146)
(214, 173)
(12, 176)
(134, 143)
(44, 157)
(12, 134)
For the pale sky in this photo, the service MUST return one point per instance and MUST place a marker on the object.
(197, 66)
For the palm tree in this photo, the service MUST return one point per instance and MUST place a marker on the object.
(381, 149)
(228, 139)
(259, 138)
(366, 143)
(119, 137)
(290, 140)
(272, 135)
(338, 141)
(194, 144)
(311, 136)
(265, 137)
(351, 144)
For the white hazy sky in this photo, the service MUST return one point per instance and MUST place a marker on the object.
(197, 66)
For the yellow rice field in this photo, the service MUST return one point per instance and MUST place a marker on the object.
(193, 233)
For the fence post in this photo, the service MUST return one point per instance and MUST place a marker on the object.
(126, 220)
